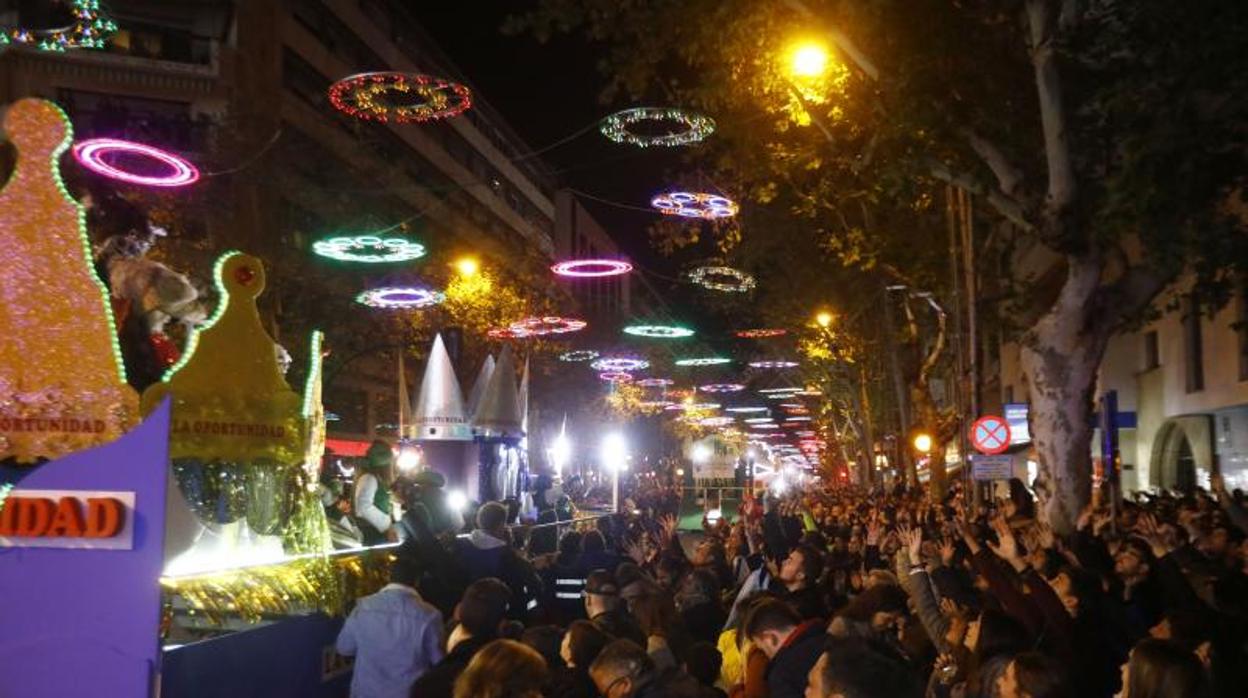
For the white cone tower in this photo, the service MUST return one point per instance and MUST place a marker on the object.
(524, 398)
(498, 413)
(438, 413)
(478, 388)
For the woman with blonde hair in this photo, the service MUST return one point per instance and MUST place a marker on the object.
(503, 669)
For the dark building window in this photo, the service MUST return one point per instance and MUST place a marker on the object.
(1193, 345)
(1152, 353)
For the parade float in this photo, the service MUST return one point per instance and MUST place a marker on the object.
(146, 543)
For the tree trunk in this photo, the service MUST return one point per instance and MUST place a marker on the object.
(1060, 356)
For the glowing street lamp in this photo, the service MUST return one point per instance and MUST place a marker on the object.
(808, 60)
(824, 318)
(700, 453)
(560, 452)
(923, 443)
(467, 266)
(615, 458)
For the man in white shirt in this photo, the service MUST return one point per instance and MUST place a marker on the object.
(394, 635)
(374, 507)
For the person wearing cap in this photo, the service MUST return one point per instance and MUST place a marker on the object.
(374, 507)
(605, 608)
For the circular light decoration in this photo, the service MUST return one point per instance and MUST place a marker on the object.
(591, 268)
(715, 421)
(578, 355)
(780, 391)
(539, 326)
(792, 405)
(759, 420)
(615, 377)
(400, 297)
(695, 406)
(88, 30)
(369, 248)
(685, 127)
(504, 333)
(92, 153)
(658, 404)
(689, 204)
(761, 333)
(724, 279)
(773, 364)
(746, 410)
(402, 98)
(659, 331)
(809, 393)
(764, 426)
(655, 382)
(620, 364)
(703, 361)
(722, 388)
(796, 419)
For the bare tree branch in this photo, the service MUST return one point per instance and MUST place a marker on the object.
(1009, 177)
(1132, 293)
(1041, 24)
(843, 42)
(1007, 206)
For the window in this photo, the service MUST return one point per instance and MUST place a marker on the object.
(1152, 355)
(1193, 344)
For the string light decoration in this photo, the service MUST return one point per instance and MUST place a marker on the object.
(700, 361)
(765, 426)
(615, 377)
(591, 268)
(578, 355)
(747, 409)
(370, 96)
(370, 249)
(90, 29)
(688, 204)
(716, 421)
(400, 297)
(761, 333)
(725, 279)
(780, 391)
(701, 406)
(620, 364)
(659, 331)
(759, 420)
(722, 388)
(773, 364)
(796, 419)
(506, 333)
(91, 155)
(551, 324)
(655, 382)
(687, 127)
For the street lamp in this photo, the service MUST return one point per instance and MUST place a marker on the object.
(560, 452)
(923, 443)
(615, 459)
(808, 59)
(824, 318)
(467, 266)
(700, 453)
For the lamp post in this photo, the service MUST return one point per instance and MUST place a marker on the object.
(615, 459)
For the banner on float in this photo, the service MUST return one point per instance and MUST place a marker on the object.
(67, 519)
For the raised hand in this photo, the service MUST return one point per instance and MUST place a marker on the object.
(946, 551)
(1007, 546)
(1085, 517)
(964, 530)
(1047, 538)
(636, 551)
(912, 538)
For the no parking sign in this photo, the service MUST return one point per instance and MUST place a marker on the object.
(990, 435)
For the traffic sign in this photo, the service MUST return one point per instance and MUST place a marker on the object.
(990, 435)
(992, 467)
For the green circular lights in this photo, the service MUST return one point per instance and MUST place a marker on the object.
(370, 249)
(659, 331)
(704, 361)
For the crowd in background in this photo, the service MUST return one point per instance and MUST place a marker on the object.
(846, 593)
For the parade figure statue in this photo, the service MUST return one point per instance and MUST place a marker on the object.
(374, 507)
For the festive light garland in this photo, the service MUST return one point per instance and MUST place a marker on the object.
(620, 364)
(809, 393)
(703, 361)
(761, 333)
(737, 280)
(578, 355)
(655, 382)
(591, 268)
(759, 420)
(400, 297)
(697, 406)
(90, 29)
(689, 204)
(659, 331)
(539, 326)
(722, 388)
(618, 126)
(765, 426)
(369, 248)
(90, 154)
(747, 410)
(505, 333)
(615, 377)
(773, 364)
(362, 95)
(796, 419)
(792, 405)
(780, 391)
(716, 421)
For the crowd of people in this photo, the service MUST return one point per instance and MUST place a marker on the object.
(846, 593)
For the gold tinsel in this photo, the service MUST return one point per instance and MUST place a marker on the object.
(319, 583)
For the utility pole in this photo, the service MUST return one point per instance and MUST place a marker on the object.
(954, 220)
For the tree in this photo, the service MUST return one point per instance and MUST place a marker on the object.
(1109, 135)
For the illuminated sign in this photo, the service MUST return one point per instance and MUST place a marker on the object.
(67, 519)
(1016, 417)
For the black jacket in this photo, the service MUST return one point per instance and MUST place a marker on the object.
(620, 625)
(787, 671)
(440, 680)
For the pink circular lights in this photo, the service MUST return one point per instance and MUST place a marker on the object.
(722, 388)
(91, 154)
(591, 268)
(616, 377)
(773, 364)
(655, 382)
(538, 326)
